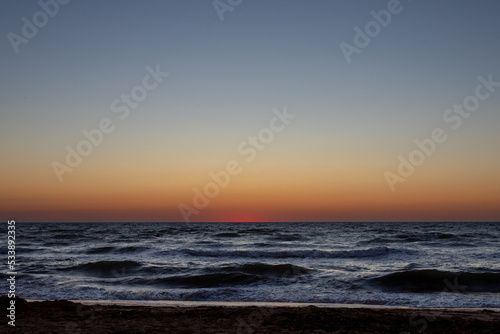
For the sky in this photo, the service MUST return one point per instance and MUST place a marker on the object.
(303, 110)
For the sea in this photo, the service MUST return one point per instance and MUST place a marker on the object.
(452, 265)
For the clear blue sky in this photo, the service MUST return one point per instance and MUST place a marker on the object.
(226, 77)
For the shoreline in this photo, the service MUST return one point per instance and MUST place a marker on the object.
(181, 303)
(124, 317)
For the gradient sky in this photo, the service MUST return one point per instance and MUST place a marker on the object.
(352, 121)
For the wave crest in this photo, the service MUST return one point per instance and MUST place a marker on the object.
(439, 281)
(107, 268)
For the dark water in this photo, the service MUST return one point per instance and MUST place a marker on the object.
(411, 264)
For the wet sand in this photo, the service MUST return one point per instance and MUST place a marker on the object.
(70, 317)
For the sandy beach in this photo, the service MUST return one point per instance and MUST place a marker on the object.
(70, 317)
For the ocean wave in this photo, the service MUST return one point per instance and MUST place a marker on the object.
(219, 276)
(208, 242)
(100, 250)
(227, 235)
(36, 269)
(265, 269)
(258, 231)
(106, 268)
(340, 263)
(263, 244)
(207, 280)
(376, 241)
(439, 281)
(478, 235)
(131, 249)
(459, 244)
(306, 253)
(118, 250)
(412, 237)
(60, 243)
(287, 237)
(70, 236)
(24, 249)
(58, 230)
